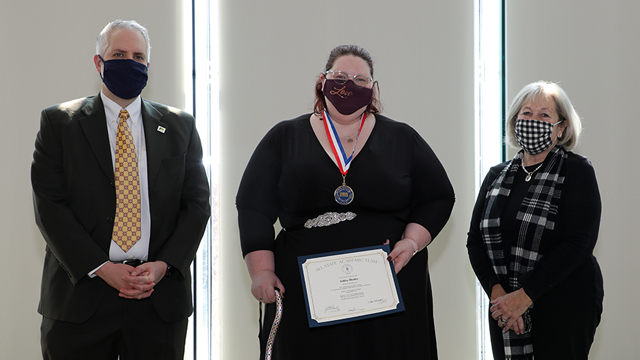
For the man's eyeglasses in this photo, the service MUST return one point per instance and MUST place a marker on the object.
(342, 77)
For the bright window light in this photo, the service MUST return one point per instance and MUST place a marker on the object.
(202, 76)
(489, 113)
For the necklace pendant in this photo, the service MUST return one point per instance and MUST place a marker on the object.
(528, 178)
(350, 140)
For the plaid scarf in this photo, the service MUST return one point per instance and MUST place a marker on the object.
(536, 215)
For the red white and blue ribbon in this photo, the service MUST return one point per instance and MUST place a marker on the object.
(274, 327)
(336, 145)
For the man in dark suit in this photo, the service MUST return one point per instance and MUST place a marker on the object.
(106, 294)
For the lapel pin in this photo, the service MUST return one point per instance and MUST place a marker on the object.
(162, 129)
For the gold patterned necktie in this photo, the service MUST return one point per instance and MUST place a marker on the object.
(126, 227)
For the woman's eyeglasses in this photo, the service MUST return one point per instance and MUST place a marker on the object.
(342, 77)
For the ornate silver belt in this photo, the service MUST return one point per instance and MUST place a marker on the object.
(329, 218)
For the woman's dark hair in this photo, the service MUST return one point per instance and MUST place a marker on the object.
(319, 104)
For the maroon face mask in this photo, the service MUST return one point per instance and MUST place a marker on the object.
(348, 97)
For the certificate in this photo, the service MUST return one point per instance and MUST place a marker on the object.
(349, 285)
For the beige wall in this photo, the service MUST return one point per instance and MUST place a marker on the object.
(424, 62)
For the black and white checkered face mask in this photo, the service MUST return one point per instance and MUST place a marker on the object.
(534, 135)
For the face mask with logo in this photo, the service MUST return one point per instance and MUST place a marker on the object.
(125, 78)
(534, 135)
(348, 97)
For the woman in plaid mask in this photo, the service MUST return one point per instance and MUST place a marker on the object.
(532, 234)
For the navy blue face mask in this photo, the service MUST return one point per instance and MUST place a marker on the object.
(125, 78)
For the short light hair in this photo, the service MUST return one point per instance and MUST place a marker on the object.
(564, 108)
(102, 42)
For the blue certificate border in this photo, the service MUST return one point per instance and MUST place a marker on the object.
(314, 323)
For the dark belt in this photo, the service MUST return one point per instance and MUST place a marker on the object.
(130, 262)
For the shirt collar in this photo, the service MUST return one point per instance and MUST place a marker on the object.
(112, 110)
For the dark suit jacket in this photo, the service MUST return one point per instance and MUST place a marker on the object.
(75, 202)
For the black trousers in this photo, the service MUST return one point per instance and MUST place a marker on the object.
(128, 329)
(563, 331)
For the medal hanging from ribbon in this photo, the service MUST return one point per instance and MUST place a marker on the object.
(344, 194)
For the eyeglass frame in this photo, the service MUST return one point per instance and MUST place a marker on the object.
(349, 77)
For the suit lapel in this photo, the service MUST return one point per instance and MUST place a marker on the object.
(94, 125)
(155, 139)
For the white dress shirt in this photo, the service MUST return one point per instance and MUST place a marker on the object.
(140, 250)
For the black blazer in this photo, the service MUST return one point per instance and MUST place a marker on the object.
(74, 199)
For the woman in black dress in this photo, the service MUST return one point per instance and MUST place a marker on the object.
(533, 231)
(393, 190)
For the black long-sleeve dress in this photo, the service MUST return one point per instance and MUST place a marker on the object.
(566, 284)
(397, 179)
